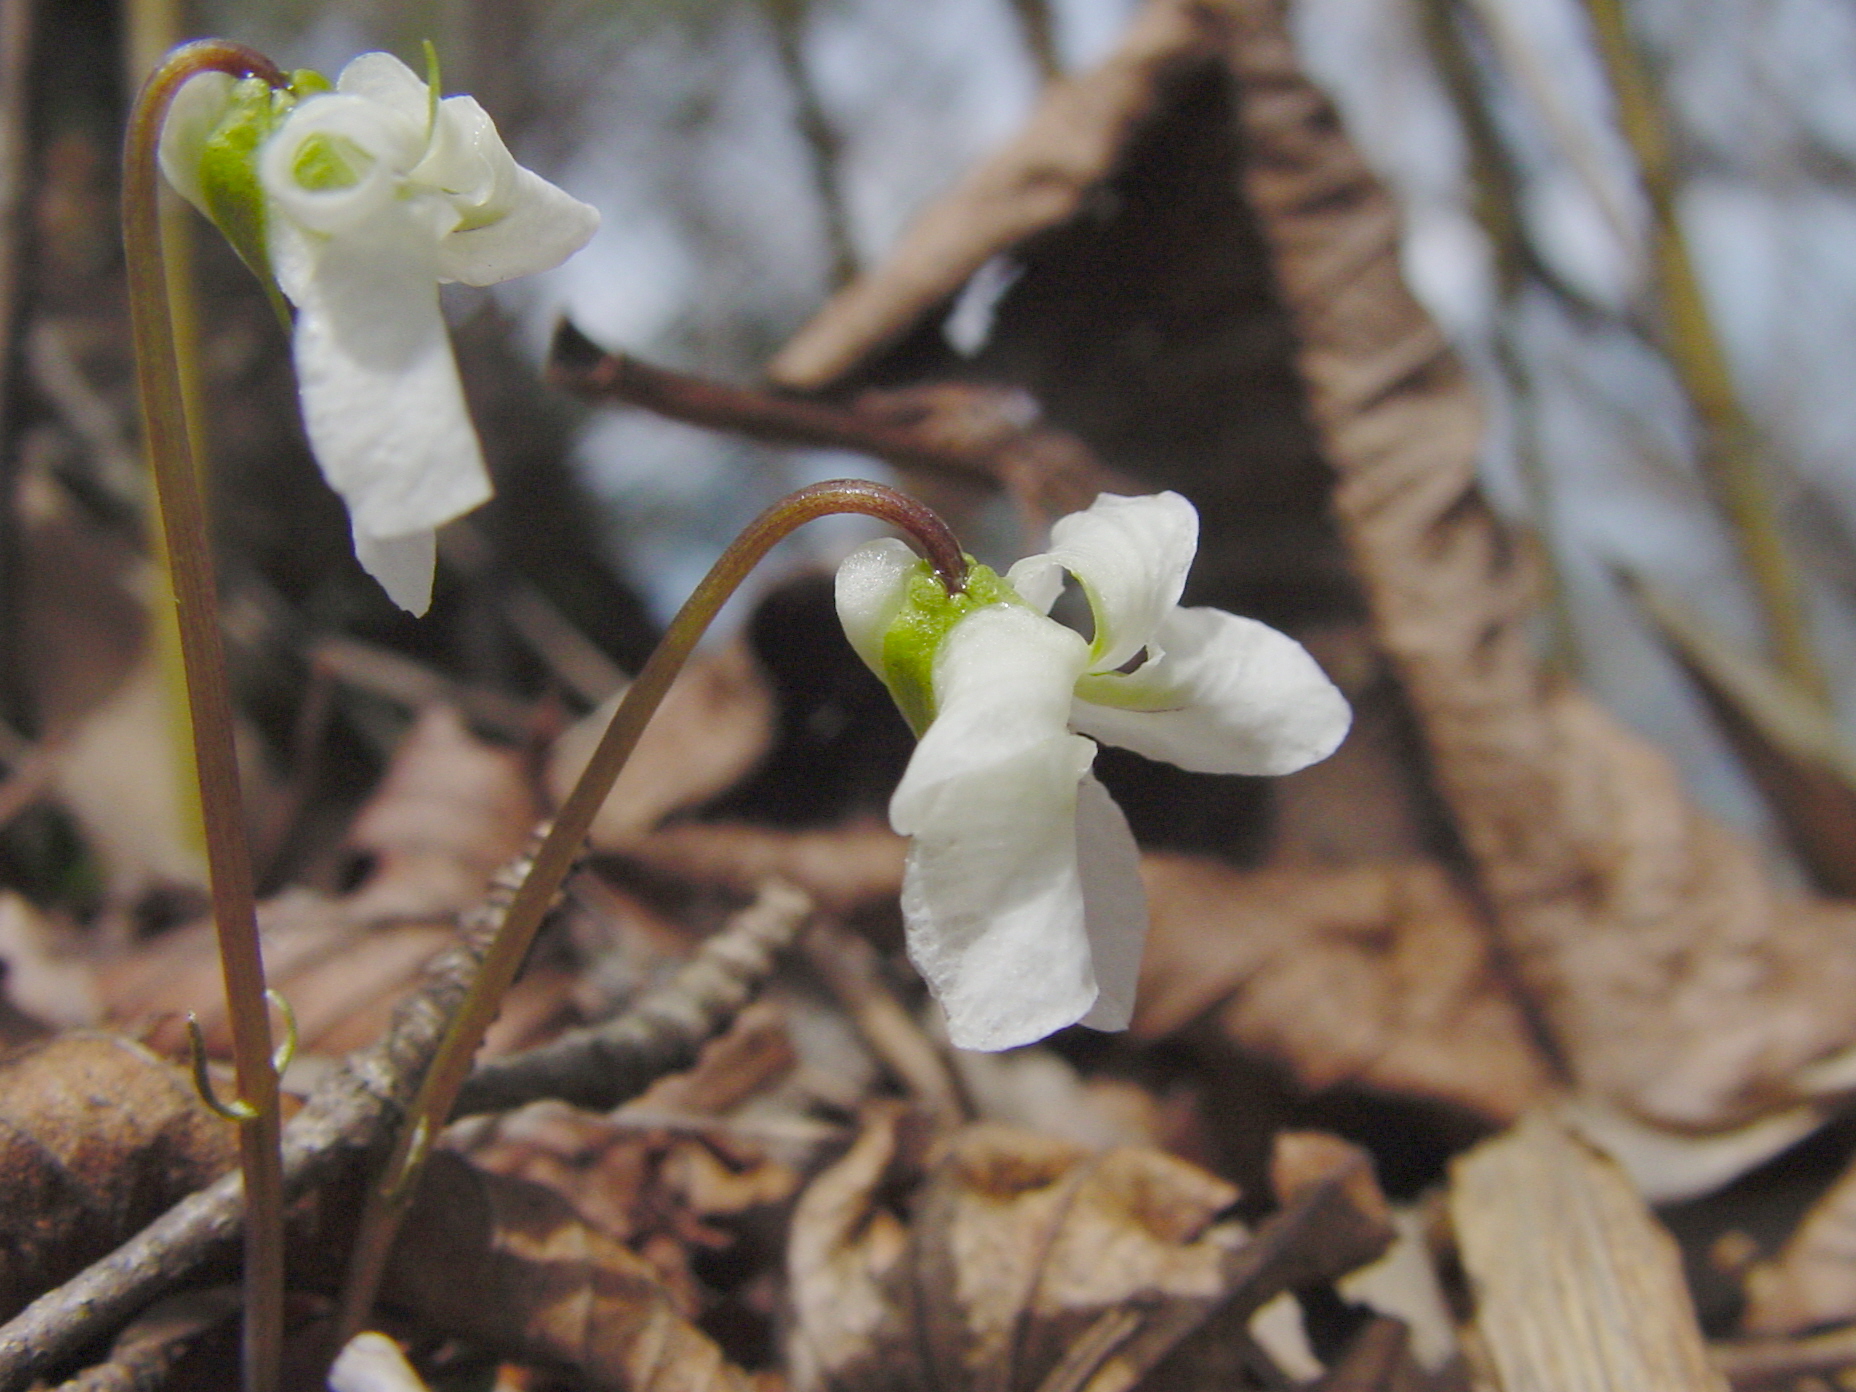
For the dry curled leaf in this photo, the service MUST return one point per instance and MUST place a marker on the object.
(449, 809)
(97, 1138)
(651, 1174)
(1019, 1246)
(511, 1266)
(1377, 975)
(713, 727)
(844, 867)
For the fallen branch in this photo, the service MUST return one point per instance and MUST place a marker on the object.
(977, 435)
(357, 1109)
(600, 1067)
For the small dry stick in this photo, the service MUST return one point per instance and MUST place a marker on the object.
(600, 1067)
(209, 702)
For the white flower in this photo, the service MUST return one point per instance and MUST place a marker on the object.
(372, 195)
(1022, 900)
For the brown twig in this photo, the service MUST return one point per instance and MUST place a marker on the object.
(579, 365)
(145, 1354)
(600, 1067)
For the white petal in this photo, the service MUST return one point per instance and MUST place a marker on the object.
(1003, 682)
(381, 398)
(993, 900)
(541, 228)
(872, 583)
(1229, 695)
(195, 110)
(1131, 555)
(1114, 904)
(403, 565)
(372, 1362)
(467, 161)
(378, 144)
(383, 79)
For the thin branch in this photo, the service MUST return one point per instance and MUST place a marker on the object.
(822, 143)
(1730, 451)
(601, 1067)
(580, 366)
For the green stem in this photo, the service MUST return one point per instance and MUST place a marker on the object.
(183, 516)
(1729, 451)
(388, 1199)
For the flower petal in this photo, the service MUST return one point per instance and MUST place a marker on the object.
(383, 79)
(1131, 555)
(337, 162)
(1003, 680)
(541, 227)
(1227, 695)
(403, 565)
(993, 899)
(192, 115)
(467, 161)
(1114, 904)
(872, 584)
(381, 398)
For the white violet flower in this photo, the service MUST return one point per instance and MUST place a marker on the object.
(360, 201)
(1022, 900)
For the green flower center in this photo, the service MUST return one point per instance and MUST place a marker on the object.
(915, 635)
(325, 163)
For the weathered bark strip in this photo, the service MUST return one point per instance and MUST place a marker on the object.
(1676, 982)
(356, 1109)
(1576, 1286)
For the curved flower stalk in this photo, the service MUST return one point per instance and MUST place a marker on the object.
(1022, 898)
(357, 202)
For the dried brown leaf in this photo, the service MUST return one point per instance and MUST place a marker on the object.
(657, 1187)
(1576, 1285)
(449, 809)
(1377, 975)
(510, 1265)
(97, 1138)
(843, 868)
(1073, 140)
(1676, 981)
(713, 727)
(1020, 1246)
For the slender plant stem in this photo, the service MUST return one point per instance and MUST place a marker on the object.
(1730, 449)
(388, 1198)
(183, 515)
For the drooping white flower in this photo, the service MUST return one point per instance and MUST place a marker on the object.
(1022, 899)
(361, 201)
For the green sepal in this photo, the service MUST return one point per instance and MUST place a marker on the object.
(914, 636)
(229, 183)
